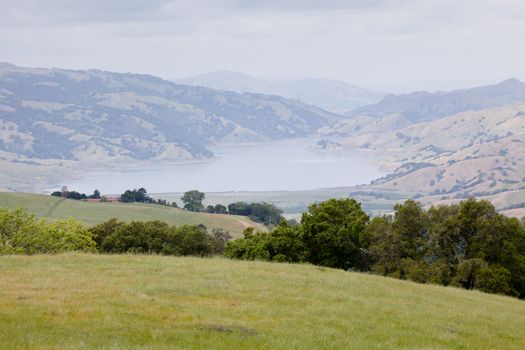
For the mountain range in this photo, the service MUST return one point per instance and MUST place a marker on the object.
(331, 95)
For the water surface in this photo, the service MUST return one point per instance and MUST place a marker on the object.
(283, 165)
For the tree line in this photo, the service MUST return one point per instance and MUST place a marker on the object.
(265, 213)
(468, 245)
(66, 193)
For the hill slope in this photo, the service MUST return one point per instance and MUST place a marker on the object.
(94, 213)
(94, 115)
(331, 95)
(93, 301)
(424, 106)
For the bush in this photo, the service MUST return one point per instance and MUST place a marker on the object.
(101, 231)
(284, 244)
(154, 237)
(21, 233)
(253, 246)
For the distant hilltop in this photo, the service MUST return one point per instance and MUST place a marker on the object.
(332, 95)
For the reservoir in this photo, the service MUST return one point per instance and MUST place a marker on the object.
(275, 166)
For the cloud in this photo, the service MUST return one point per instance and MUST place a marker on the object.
(382, 44)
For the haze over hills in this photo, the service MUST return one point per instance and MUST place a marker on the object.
(332, 95)
(96, 115)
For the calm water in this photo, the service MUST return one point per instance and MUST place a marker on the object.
(285, 165)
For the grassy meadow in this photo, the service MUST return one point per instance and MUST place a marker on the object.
(93, 213)
(82, 301)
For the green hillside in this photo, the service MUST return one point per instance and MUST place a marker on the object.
(80, 301)
(94, 213)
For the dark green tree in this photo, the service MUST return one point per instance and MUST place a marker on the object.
(220, 209)
(193, 200)
(95, 195)
(333, 233)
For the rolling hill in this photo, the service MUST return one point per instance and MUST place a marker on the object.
(94, 213)
(331, 95)
(81, 301)
(98, 116)
(473, 153)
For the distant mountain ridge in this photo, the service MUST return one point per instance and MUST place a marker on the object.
(332, 95)
(424, 106)
(96, 115)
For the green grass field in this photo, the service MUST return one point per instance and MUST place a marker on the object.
(81, 301)
(93, 213)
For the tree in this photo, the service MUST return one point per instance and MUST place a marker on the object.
(220, 209)
(76, 195)
(333, 232)
(239, 208)
(193, 200)
(382, 246)
(409, 226)
(95, 195)
(131, 196)
(266, 213)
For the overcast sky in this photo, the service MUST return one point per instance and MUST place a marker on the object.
(387, 45)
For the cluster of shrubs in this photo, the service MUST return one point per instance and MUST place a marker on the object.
(22, 233)
(266, 213)
(158, 237)
(466, 245)
(141, 196)
(65, 193)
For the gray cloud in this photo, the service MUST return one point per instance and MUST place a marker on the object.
(382, 44)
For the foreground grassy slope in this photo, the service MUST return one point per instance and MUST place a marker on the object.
(77, 301)
(94, 213)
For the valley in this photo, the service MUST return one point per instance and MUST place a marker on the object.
(256, 175)
(142, 131)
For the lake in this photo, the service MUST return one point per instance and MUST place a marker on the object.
(283, 165)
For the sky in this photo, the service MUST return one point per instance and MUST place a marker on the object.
(384, 45)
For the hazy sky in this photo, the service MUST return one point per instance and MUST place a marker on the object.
(380, 44)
